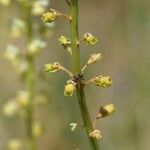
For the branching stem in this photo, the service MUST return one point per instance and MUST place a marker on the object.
(76, 69)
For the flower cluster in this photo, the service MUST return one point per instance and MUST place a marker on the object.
(18, 107)
(23, 61)
(76, 80)
(17, 60)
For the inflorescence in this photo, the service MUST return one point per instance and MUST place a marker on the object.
(75, 79)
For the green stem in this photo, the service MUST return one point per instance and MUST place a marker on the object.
(30, 80)
(76, 68)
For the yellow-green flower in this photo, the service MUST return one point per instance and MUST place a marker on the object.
(107, 110)
(49, 17)
(69, 88)
(103, 81)
(90, 39)
(64, 41)
(52, 67)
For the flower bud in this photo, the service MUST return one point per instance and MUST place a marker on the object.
(37, 129)
(10, 108)
(107, 110)
(95, 134)
(94, 58)
(52, 67)
(69, 88)
(23, 98)
(103, 81)
(90, 39)
(35, 47)
(15, 144)
(49, 16)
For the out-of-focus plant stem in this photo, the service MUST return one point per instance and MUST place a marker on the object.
(30, 79)
(76, 69)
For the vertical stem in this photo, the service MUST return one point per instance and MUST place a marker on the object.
(30, 80)
(76, 68)
(75, 36)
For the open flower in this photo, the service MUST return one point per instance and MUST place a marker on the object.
(69, 88)
(52, 67)
(94, 58)
(103, 81)
(90, 39)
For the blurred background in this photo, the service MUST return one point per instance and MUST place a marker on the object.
(123, 30)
